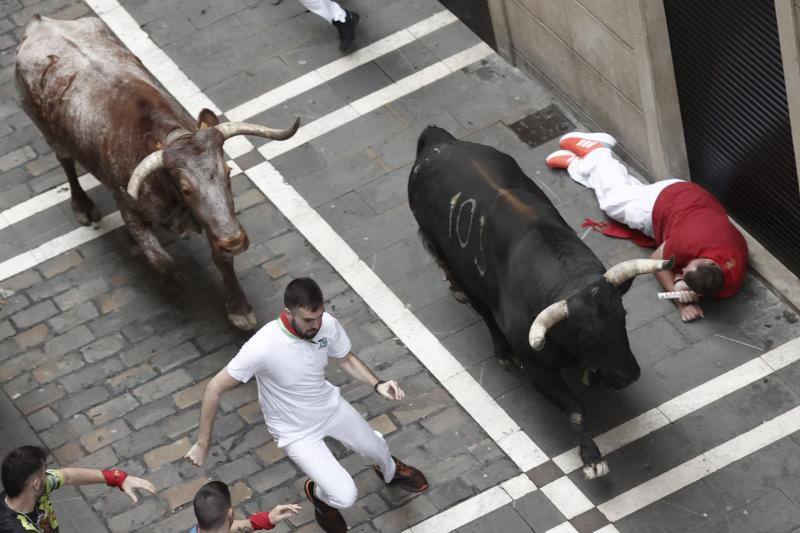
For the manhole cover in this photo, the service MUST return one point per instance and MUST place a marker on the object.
(541, 126)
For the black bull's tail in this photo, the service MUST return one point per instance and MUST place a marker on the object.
(432, 135)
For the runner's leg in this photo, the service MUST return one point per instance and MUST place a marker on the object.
(350, 428)
(327, 9)
(334, 485)
(618, 193)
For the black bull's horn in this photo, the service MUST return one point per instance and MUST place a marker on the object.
(617, 275)
(155, 160)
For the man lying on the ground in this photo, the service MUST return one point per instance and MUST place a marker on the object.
(683, 219)
(25, 505)
(214, 511)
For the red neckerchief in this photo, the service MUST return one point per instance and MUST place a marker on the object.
(284, 316)
(612, 228)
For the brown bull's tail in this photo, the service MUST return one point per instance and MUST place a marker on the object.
(433, 135)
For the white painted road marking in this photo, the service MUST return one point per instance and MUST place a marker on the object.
(479, 505)
(701, 466)
(336, 68)
(376, 99)
(59, 245)
(43, 201)
(687, 403)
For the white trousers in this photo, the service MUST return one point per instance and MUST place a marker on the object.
(621, 196)
(327, 9)
(334, 485)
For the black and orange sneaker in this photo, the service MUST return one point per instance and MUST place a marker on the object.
(406, 477)
(328, 518)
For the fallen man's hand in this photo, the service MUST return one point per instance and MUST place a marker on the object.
(687, 295)
(689, 312)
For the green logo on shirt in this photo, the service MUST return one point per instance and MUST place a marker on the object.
(322, 343)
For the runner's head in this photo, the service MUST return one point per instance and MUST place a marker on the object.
(212, 506)
(24, 469)
(303, 302)
(703, 276)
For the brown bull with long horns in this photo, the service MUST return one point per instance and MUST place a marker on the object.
(547, 299)
(96, 104)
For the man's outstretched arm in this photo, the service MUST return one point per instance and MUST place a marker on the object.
(265, 520)
(112, 478)
(218, 385)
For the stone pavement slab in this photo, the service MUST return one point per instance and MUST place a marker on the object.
(106, 369)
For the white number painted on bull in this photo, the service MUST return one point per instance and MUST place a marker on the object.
(481, 254)
(453, 202)
(472, 203)
(463, 242)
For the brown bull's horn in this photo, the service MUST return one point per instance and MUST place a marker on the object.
(622, 272)
(229, 129)
(546, 319)
(146, 166)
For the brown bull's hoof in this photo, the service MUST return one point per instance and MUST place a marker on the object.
(85, 218)
(245, 321)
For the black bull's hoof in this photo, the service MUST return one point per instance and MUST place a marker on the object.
(594, 465)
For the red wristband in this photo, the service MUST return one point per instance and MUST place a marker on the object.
(114, 477)
(261, 521)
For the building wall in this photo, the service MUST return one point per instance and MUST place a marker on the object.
(586, 49)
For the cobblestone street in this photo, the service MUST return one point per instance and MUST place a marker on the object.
(104, 366)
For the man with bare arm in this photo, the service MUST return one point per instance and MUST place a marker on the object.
(288, 358)
(25, 504)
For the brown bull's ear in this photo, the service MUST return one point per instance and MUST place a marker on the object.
(152, 142)
(207, 119)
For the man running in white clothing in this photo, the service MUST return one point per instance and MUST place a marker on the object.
(288, 358)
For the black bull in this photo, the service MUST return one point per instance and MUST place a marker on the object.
(503, 243)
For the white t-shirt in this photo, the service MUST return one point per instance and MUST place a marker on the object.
(294, 395)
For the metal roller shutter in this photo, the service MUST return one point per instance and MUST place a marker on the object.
(732, 95)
